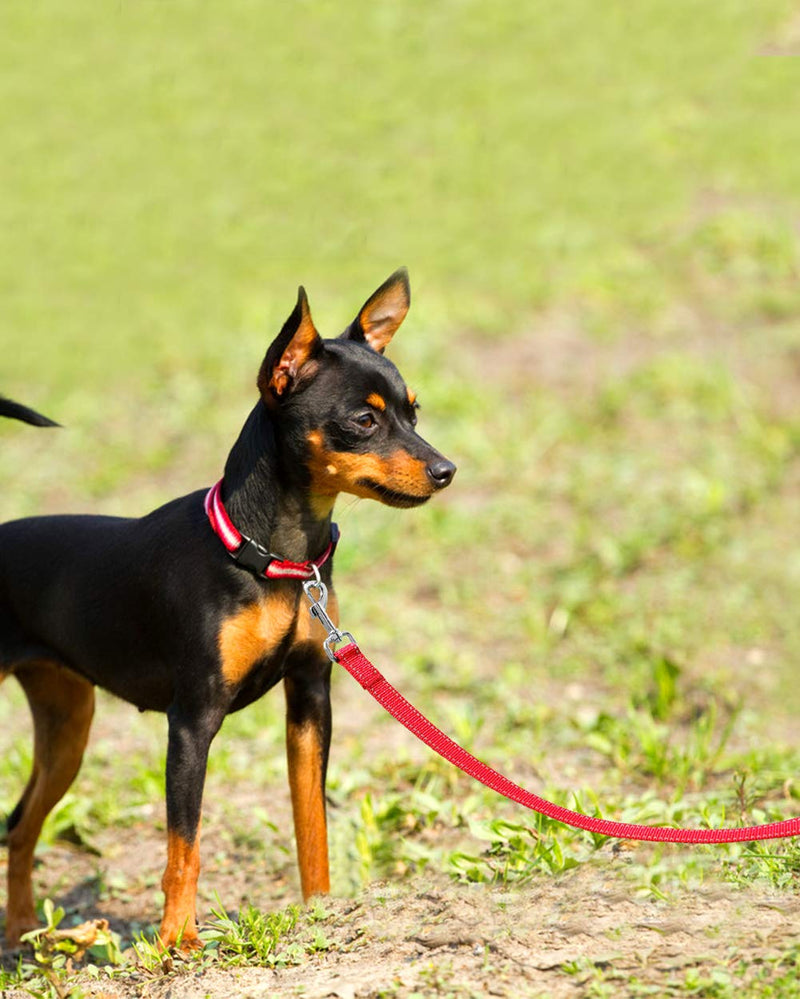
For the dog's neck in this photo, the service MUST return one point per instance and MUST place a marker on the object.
(266, 498)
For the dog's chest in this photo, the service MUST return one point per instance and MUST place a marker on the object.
(254, 636)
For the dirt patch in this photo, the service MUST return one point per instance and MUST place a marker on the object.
(558, 354)
(556, 938)
(553, 939)
(785, 41)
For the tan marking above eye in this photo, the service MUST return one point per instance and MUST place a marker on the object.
(376, 401)
(412, 396)
(253, 633)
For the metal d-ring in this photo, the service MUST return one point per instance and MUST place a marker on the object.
(318, 609)
(332, 640)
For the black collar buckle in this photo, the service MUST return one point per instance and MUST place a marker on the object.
(253, 556)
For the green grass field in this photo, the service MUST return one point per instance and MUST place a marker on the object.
(600, 211)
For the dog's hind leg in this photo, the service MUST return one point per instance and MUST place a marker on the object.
(62, 705)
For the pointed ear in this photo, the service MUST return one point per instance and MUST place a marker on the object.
(286, 362)
(382, 313)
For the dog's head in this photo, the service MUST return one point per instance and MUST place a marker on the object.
(344, 408)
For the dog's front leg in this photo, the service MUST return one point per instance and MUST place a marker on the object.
(308, 737)
(190, 736)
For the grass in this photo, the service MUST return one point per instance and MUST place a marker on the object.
(601, 226)
(180, 203)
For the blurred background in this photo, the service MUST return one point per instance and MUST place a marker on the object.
(599, 205)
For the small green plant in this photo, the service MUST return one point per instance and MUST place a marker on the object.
(639, 741)
(57, 951)
(776, 862)
(17, 977)
(515, 853)
(255, 937)
(150, 956)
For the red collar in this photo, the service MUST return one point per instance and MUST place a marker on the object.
(251, 555)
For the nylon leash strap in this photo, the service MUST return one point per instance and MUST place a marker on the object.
(375, 683)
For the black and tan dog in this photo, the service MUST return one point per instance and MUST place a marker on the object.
(189, 611)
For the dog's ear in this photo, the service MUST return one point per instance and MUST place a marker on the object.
(382, 313)
(288, 362)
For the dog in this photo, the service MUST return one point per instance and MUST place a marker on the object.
(16, 411)
(195, 609)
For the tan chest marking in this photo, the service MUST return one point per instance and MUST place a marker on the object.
(254, 633)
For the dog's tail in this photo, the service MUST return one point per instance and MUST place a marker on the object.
(16, 411)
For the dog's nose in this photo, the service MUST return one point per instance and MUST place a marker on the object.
(441, 473)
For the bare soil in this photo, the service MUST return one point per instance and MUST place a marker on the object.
(426, 936)
(419, 935)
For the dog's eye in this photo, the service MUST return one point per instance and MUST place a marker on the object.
(366, 420)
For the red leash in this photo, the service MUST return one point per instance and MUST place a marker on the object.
(373, 681)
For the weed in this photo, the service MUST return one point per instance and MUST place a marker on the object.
(254, 937)
(515, 852)
(57, 954)
(637, 742)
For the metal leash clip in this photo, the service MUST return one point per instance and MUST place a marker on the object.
(318, 609)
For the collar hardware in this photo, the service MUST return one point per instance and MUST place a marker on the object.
(249, 554)
(253, 556)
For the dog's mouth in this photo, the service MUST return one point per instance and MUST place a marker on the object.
(391, 497)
